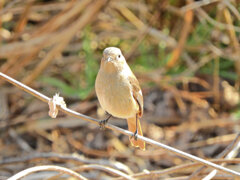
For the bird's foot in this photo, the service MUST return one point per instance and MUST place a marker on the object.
(102, 123)
(135, 135)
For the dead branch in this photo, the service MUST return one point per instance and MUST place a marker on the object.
(78, 159)
(46, 168)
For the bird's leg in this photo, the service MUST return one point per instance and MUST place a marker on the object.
(103, 122)
(136, 132)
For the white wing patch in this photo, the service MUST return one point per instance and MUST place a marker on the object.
(140, 92)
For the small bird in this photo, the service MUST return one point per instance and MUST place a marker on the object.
(119, 93)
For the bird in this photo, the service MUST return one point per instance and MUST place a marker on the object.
(119, 93)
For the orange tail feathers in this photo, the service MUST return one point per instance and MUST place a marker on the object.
(132, 127)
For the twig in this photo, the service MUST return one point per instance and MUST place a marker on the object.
(188, 17)
(232, 8)
(168, 171)
(204, 60)
(23, 19)
(78, 159)
(158, 173)
(216, 82)
(8, 6)
(99, 167)
(38, 7)
(120, 130)
(21, 143)
(233, 152)
(219, 52)
(104, 168)
(234, 42)
(82, 21)
(216, 23)
(31, 170)
(131, 17)
(214, 140)
(222, 154)
(197, 4)
(226, 177)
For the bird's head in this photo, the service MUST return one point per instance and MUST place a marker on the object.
(112, 59)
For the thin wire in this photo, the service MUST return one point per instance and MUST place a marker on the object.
(115, 128)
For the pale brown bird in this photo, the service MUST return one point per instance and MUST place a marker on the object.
(119, 93)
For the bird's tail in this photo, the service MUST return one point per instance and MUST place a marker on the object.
(132, 127)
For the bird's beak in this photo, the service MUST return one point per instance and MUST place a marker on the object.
(109, 59)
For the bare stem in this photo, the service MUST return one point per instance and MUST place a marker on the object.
(31, 170)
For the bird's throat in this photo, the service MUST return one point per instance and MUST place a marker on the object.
(111, 67)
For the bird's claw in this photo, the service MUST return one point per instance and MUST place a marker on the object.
(102, 124)
(135, 135)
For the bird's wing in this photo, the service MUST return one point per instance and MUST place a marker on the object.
(137, 93)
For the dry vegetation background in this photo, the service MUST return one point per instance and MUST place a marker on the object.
(184, 53)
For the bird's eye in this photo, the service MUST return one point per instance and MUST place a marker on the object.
(119, 56)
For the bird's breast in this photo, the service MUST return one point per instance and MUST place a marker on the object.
(114, 94)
